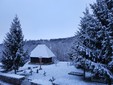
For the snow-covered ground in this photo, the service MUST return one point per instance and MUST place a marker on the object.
(59, 71)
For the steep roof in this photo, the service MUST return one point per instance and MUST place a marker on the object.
(42, 51)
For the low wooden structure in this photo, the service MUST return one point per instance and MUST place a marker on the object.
(76, 73)
(44, 60)
(42, 54)
(12, 78)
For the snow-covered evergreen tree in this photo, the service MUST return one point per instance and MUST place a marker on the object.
(89, 43)
(95, 39)
(103, 10)
(13, 53)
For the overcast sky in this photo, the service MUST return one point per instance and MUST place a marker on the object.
(42, 19)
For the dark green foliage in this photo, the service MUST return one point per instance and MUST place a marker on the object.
(94, 46)
(13, 47)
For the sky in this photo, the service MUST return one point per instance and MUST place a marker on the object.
(43, 19)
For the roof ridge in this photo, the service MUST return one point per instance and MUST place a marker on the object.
(42, 51)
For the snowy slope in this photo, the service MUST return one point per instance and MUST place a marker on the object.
(59, 71)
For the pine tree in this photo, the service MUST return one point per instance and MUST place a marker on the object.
(13, 47)
(88, 41)
(103, 10)
(93, 45)
(96, 39)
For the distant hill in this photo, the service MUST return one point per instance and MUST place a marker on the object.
(60, 47)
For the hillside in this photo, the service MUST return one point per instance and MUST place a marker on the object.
(60, 47)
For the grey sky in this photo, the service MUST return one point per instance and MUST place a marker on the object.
(42, 19)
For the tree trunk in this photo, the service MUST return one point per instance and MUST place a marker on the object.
(15, 71)
(109, 81)
(84, 75)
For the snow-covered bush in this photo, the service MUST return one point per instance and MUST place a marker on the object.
(44, 73)
(52, 80)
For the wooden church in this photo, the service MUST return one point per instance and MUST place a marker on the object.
(42, 54)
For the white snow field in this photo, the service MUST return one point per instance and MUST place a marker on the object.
(59, 71)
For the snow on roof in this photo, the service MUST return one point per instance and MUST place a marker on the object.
(42, 51)
(12, 75)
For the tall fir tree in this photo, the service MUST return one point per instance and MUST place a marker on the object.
(103, 10)
(94, 41)
(13, 47)
(88, 42)
(88, 39)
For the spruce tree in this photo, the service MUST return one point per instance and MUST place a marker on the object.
(94, 46)
(96, 39)
(87, 41)
(103, 10)
(13, 47)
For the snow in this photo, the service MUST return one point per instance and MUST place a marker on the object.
(1, 67)
(1, 64)
(60, 73)
(42, 51)
(42, 82)
(11, 75)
